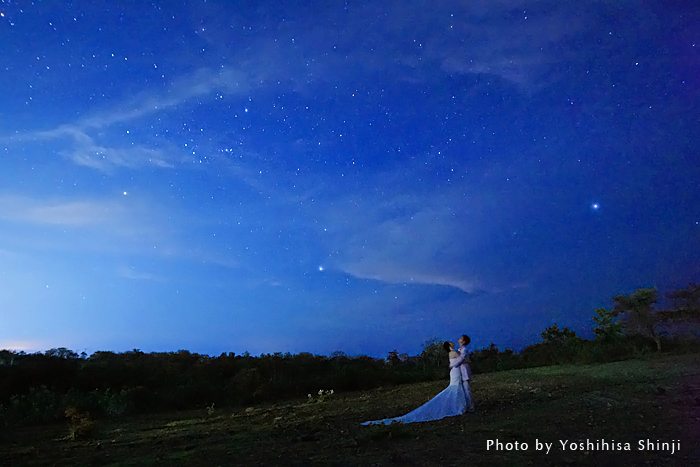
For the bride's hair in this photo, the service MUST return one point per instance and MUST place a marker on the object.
(446, 346)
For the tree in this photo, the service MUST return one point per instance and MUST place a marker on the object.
(554, 335)
(486, 360)
(7, 357)
(61, 352)
(686, 303)
(640, 316)
(433, 354)
(609, 329)
(393, 357)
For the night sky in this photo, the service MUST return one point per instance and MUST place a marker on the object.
(319, 176)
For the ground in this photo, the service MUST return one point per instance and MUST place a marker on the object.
(656, 399)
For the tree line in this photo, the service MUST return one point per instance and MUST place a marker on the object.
(40, 387)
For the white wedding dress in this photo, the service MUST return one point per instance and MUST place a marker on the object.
(448, 403)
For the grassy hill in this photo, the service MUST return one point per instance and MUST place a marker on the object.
(623, 402)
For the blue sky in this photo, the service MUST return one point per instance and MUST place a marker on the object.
(321, 176)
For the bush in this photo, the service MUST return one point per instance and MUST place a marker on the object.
(81, 425)
(114, 404)
(39, 388)
(39, 405)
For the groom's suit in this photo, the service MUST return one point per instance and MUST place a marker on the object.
(463, 362)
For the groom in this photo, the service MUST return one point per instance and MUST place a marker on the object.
(463, 363)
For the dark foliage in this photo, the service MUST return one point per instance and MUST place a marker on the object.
(686, 304)
(491, 359)
(609, 328)
(639, 314)
(37, 388)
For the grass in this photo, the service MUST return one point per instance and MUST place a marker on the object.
(655, 399)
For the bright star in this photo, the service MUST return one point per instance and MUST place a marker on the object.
(595, 206)
(320, 268)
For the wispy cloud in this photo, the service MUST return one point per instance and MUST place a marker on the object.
(401, 240)
(82, 224)
(514, 40)
(132, 274)
(407, 250)
(200, 83)
(60, 213)
(432, 234)
(381, 269)
(87, 146)
(511, 39)
(23, 345)
(87, 153)
(113, 226)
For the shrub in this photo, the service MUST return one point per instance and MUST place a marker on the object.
(113, 403)
(81, 425)
(39, 405)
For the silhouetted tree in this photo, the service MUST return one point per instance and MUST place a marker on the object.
(433, 353)
(609, 328)
(485, 360)
(686, 304)
(431, 362)
(61, 352)
(7, 357)
(640, 316)
(393, 357)
(554, 335)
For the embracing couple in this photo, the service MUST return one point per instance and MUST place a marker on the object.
(454, 400)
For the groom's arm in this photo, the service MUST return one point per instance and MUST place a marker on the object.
(462, 356)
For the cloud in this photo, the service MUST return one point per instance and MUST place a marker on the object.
(413, 249)
(437, 234)
(60, 213)
(83, 225)
(130, 273)
(118, 226)
(87, 147)
(404, 239)
(86, 152)
(23, 345)
(200, 83)
(515, 40)
(382, 269)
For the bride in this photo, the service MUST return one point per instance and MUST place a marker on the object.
(448, 403)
